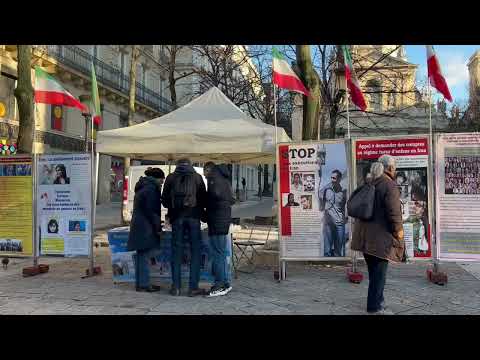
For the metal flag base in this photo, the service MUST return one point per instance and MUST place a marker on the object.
(97, 270)
(437, 277)
(35, 270)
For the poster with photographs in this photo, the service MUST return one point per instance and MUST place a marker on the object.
(16, 201)
(411, 155)
(458, 196)
(313, 182)
(64, 204)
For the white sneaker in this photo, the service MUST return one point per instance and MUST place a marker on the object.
(228, 289)
(217, 291)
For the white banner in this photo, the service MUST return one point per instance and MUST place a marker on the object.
(64, 204)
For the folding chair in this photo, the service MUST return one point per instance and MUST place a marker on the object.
(246, 246)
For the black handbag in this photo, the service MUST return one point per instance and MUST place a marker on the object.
(362, 202)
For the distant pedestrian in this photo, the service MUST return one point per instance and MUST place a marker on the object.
(381, 238)
(184, 196)
(146, 225)
(219, 203)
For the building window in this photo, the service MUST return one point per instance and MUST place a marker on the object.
(56, 117)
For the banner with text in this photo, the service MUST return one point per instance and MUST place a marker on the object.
(16, 198)
(458, 196)
(411, 155)
(313, 181)
(64, 204)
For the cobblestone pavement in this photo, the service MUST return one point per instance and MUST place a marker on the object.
(308, 290)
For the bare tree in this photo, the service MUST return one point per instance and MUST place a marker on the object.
(24, 95)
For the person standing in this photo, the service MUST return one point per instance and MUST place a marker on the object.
(146, 225)
(219, 203)
(332, 199)
(381, 238)
(184, 196)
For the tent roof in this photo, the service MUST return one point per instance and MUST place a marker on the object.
(210, 127)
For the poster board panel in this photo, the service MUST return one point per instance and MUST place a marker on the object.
(414, 178)
(457, 169)
(313, 187)
(16, 206)
(64, 204)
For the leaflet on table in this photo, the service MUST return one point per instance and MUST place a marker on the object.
(16, 215)
(411, 155)
(458, 196)
(313, 192)
(64, 204)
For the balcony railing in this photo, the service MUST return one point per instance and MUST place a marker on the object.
(107, 75)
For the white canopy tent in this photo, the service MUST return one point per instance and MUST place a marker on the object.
(210, 127)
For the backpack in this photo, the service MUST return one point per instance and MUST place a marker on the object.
(362, 202)
(184, 194)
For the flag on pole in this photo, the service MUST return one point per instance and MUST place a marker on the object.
(352, 82)
(49, 91)
(435, 75)
(96, 111)
(283, 75)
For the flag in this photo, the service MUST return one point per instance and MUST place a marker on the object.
(283, 75)
(352, 82)
(435, 74)
(96, 111)
(49, 91)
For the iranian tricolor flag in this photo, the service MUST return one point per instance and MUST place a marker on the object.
(49, 91)
(283, 75)
(435, 74)
(96, 111)
(352, 82)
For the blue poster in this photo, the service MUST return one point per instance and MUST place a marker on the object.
(123, 261)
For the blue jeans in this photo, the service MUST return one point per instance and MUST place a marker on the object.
(180, 228)
(334, 239)
(377, 276)
(218, 245)
(142, 269)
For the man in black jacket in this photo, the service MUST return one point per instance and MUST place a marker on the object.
(184, 197)
(218, 216)
(145, 225)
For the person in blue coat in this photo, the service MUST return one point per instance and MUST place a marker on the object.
(146, 225)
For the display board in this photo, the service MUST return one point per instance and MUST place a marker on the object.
(64, 204)
(412, 177)
(123, 261)
(458, 196)
(313, 190)
(16, 209)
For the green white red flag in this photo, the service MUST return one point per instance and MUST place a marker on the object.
(435, 75)
(96, 111)
(283, 75)
(352, 82)
(49, 91)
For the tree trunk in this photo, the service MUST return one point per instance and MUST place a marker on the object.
(259, 173)
(310, 104)
(131, 108)
(24, 95)
(171, 76)
(266, 185)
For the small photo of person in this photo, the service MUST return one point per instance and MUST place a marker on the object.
(306, 202)
(309, 182)
(61, 177)
(52, 226)
(291, 201)
(76, 225)
(297, 184)
(9, 170)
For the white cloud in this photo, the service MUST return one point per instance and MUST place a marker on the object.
(454, 68)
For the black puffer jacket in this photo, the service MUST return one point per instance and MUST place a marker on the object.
(146, 221)
(199, 191)
(219, 201)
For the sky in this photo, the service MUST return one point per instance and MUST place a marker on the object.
(453, 62)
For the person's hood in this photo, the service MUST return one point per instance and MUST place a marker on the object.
(184, 169)
(223, 170)
(144, 182)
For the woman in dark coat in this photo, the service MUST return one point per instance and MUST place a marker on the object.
(219, 203)
(381, 238)
(146, 225)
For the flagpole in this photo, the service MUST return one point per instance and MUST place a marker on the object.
(34, 178)
(275, 112)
